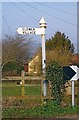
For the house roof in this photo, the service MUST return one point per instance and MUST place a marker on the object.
(75, 58)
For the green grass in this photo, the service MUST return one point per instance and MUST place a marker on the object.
(26, 82)
(16, 90)
(51, 109)
(33, 90)
(9, 83)
(0, 91)
(11, 91)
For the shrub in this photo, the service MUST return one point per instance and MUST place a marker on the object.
(54, 74)
(12, 68)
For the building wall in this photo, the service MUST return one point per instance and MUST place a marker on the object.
(33, 66)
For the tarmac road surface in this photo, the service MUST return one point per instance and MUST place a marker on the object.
(39, 119)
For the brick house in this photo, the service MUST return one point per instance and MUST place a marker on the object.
(75, 59)
(32, 66)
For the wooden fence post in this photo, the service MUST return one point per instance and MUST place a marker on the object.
(23, 83)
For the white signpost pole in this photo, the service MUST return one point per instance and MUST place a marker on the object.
(73, 79)
(38, 31)
(72, 93)
(42, 24)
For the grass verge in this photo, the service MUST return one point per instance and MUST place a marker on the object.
(51, 109)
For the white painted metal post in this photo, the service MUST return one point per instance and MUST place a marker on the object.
(43, 54)
(43, 25)
(73, 79)
(39, 31)
(72, 93)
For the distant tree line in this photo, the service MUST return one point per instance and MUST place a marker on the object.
(18, 48)
(59, 48)
(15, 50)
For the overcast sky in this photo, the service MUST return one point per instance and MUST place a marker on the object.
(60, 16)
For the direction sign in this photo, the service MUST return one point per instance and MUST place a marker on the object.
(71, 73)
(24, 30)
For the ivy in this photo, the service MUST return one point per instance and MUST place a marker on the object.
(54, 74)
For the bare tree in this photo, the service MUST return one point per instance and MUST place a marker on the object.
(15, 49)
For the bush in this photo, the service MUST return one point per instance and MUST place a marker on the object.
(54, 74)
(12, 68)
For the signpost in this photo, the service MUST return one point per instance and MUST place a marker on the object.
(43, 23)
(38, 31)
(71, 73)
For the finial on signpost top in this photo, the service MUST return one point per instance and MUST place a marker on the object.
(42, 22)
